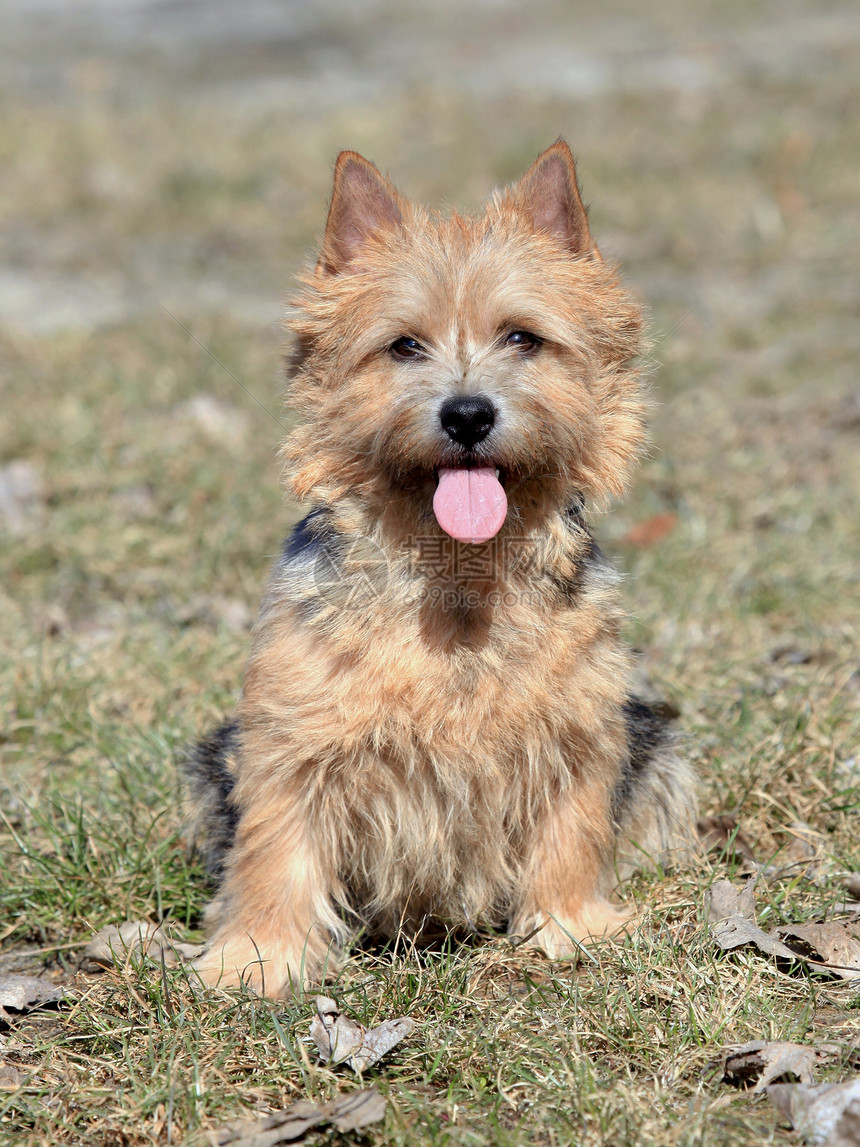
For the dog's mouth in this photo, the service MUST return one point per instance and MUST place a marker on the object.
(470, 503)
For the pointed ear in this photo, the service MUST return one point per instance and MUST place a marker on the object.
(363, 201)
(549, 195)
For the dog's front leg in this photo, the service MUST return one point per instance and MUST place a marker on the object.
(567, 873)
(273, 924)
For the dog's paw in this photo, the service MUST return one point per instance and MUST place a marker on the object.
(278, 973)
(560, 936)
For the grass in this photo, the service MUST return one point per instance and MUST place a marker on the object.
(124, 601)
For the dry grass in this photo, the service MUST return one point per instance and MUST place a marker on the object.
(124, 598)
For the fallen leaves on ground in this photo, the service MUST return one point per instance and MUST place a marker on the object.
(24, 993)
(731, 915)
(765, 1061)
(347, 1113)
(823, 1113)
(10, 1077)
(832, 947)
(725, 902)
(341, 1039)
(135, 936)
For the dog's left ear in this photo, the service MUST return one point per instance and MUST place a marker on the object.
(548, 194)
(362, 201)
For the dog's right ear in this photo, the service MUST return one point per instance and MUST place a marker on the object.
(363, 201)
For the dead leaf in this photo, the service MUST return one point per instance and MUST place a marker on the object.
(340, 1039)
(24, 993)
(720, 833)
(725, 901)
(652, 530)
(731, 916)
(10, 1077)
(833, 946)
(113, 943)
(348, 1113)
(357, 1110)
(823, 1113)
(852, 885)
(737, 931)
(765, 1061)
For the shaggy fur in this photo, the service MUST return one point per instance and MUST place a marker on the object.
(430, 729)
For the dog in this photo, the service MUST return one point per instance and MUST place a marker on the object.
(437, 721)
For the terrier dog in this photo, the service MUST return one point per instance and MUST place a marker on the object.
(436, 721)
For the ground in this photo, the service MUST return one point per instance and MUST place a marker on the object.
(165, 170)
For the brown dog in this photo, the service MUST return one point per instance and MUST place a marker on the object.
(436, 719)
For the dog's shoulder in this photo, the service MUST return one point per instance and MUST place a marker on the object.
(311, 538)
(584, 566)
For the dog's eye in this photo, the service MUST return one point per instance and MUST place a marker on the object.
(405, 348)
(523, 341)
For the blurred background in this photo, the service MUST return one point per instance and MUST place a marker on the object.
(165, 169)
(179, 151)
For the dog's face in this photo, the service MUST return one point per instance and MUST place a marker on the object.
(472, 371)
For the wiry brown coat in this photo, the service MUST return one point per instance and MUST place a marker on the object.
(449, 736)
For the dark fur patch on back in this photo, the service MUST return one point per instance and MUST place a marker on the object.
(314, 552)
(571, 587)
(296, 358)
(647, 733)
(210, 774)
(309, 538)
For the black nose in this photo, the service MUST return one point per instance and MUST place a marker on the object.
(468, 419)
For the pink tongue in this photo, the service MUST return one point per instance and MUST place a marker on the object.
(470, 505)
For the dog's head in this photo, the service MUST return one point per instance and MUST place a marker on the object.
(477, 373)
